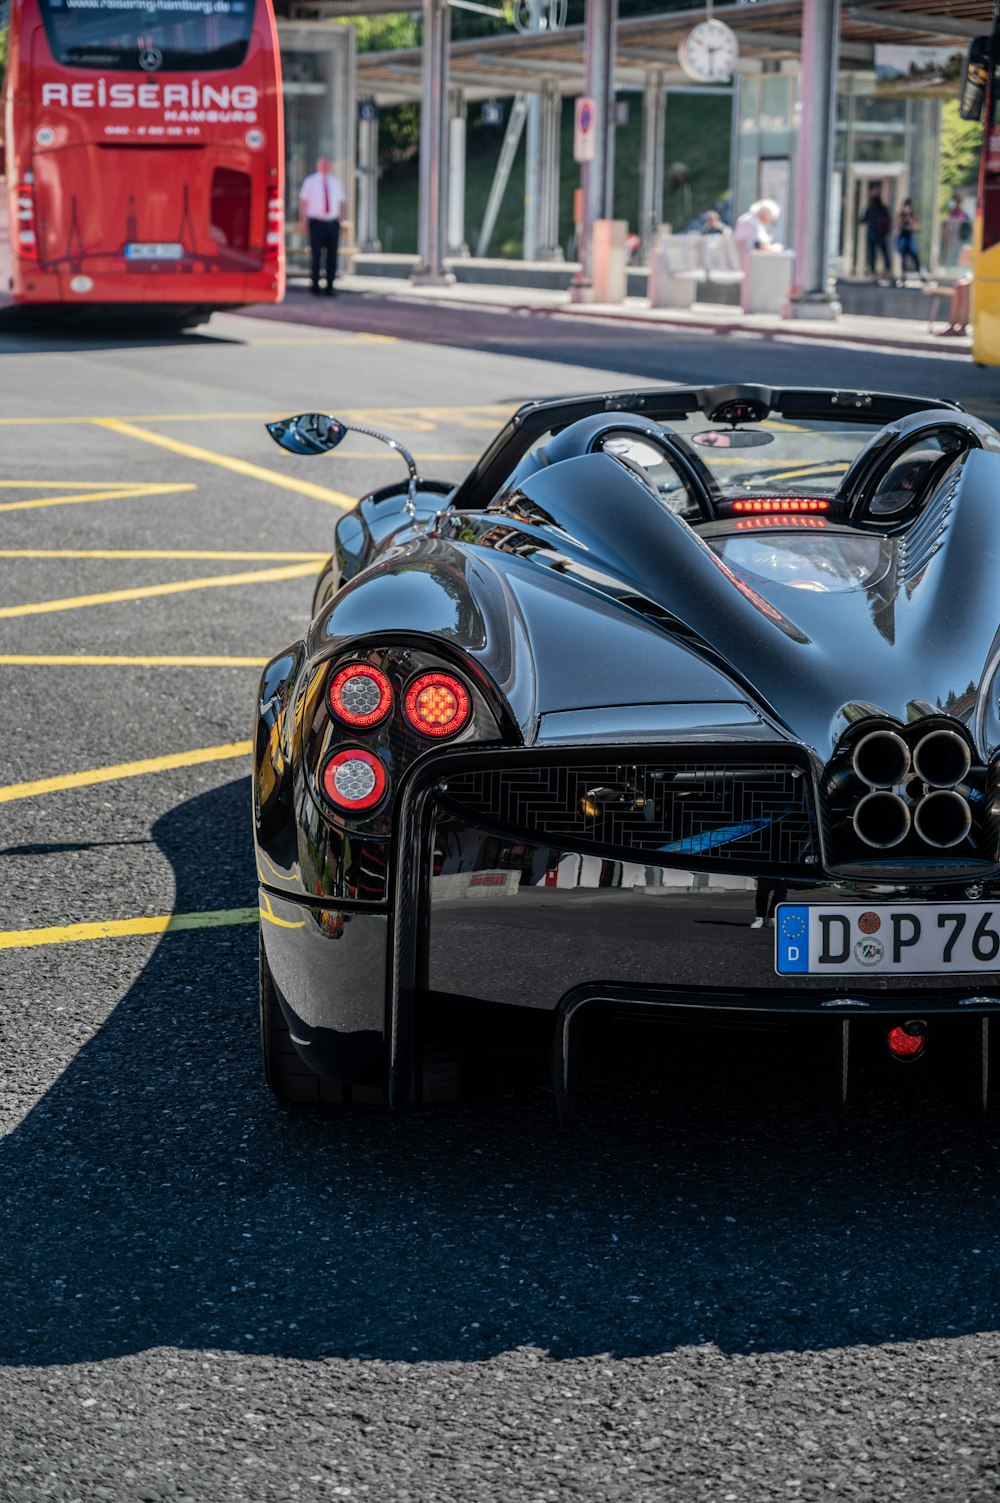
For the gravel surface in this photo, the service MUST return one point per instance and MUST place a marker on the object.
(694, 1292)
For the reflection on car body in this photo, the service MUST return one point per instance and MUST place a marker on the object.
(633, 722)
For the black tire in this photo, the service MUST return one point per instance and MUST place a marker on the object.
(295, 1084)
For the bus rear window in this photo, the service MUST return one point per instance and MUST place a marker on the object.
(149, 35)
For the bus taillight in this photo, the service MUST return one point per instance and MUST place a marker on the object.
(25, 239)
(274, 233)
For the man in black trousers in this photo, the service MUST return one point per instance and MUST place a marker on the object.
(321, 203)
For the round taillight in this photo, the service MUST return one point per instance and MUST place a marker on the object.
(360, 695)
(354, 780)
(437, 704)
(907, 1042)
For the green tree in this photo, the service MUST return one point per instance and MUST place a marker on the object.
(961, 143)
(3, 55)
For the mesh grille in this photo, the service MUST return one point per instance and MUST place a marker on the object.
(760, 814)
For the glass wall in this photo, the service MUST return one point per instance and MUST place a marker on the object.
(891, 142)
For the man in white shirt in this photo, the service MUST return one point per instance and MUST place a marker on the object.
(321, 203)
(752, 233)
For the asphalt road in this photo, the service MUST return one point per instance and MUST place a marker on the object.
(695, 1292)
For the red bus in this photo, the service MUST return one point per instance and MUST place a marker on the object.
(144, 156)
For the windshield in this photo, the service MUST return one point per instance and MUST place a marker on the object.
(149, 35)
(808, 455)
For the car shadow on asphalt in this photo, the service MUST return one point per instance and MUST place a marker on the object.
(157, 1196)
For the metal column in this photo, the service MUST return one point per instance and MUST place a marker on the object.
(456, 175)
(432, 220)
(814, 168)
(368, 182)
(600, 20)
(654, 105)
(549, 248)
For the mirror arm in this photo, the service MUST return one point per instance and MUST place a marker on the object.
(404, 454)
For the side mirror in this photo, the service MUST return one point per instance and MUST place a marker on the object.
(975, 76)
(308, 433)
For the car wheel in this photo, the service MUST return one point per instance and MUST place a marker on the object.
(295, 1084)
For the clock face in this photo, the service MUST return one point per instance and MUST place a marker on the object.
(710, 52)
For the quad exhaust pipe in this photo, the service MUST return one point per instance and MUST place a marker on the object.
(881, 819)
(930, 770)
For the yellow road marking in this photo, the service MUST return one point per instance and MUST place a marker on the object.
(95, 775)
(145, 592)
(227, 462)
(164, 923)
(119, 493)
(195, 553)
(69, 660)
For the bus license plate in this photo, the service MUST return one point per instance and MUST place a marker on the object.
(153, 251)
(906, 939)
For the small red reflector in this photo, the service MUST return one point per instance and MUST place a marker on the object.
(360, 695)
(907, 1042)
(781, 503)
(354, 780)
(437, 704)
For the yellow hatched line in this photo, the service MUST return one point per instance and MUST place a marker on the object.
(121, 770)
(145, 592)
(76, 660)
(118, 493)
(164, 923)
(193, 553)
(227, 462)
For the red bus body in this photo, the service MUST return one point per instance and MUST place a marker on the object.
(144, 155)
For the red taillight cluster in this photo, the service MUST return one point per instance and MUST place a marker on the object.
(781, 503)
(437, 704)
(25, 237)
(360, 695)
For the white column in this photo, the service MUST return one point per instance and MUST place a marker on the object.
(456, 175)
(549, 248)
(600, 19)
(654, 102)
(432, 213)
(814, 165)
(368, 184)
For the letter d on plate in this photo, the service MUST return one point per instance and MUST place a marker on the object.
(791, 939)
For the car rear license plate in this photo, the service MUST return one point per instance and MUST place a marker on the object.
(156, 250)
(907, 939)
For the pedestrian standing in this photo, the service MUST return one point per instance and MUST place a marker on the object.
(906, 236)
(956, 230)
(321, 205)
(878, 226)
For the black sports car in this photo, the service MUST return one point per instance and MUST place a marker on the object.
(683, 703)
